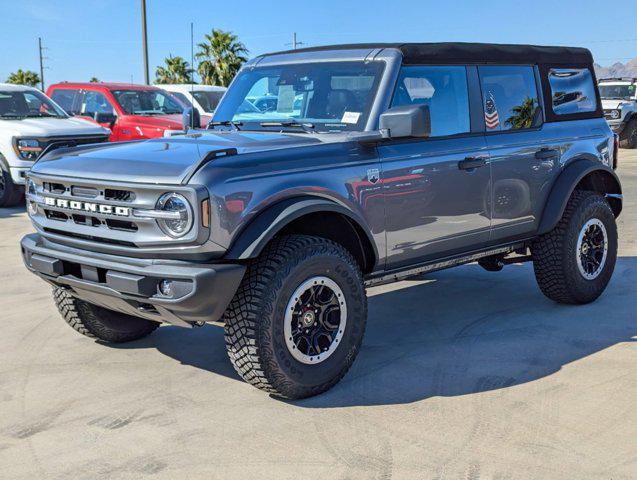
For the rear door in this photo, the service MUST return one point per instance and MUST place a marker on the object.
(525, 151)
(436, 190)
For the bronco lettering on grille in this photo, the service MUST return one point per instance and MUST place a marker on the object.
(87, 206)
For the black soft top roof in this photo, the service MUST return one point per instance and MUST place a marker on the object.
(440, 53)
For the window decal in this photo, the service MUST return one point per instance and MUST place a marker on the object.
(491, 117)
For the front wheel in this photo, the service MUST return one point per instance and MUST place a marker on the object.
(629, 137)
(97, 322)
(575, 261)
(297, 320)
(10, 193)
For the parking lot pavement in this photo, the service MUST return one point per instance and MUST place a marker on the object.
(463, 374)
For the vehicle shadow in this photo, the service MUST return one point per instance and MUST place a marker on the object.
(12, 212)
(454, 332)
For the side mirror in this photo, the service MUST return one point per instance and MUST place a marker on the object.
(190, 119)
(406, 121)
(104, 117)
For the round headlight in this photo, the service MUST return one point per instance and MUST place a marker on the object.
(614, 114)
(180, 222)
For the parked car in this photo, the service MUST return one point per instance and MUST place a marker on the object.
(30, 123)
(619, 100)
(132, 112)
(403, 159)
(204, 98)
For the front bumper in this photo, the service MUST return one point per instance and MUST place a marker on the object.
(201, 292)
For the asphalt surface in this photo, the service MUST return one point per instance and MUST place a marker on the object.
(464, 374)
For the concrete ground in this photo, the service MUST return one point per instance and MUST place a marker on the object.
(465, 374)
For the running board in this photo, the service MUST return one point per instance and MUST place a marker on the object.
(431, 267)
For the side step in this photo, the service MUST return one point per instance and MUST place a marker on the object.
(396, 275)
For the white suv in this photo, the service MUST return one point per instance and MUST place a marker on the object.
(619, 100)
(204, 98)
(30, 123)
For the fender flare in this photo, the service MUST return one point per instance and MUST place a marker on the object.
(251, 240)
(566, 183)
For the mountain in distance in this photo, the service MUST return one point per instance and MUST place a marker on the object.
(617, 70)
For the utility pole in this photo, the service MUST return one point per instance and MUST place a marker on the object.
(295, 43)
(41, 64)
(145, 42)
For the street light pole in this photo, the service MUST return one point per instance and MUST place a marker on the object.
(145, 42)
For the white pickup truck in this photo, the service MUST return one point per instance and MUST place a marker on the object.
(31, 123)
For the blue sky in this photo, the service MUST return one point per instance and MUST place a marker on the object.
(103, 38)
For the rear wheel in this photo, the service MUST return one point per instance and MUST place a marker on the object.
(575, 261)
(297, 321)
(10, 193)
(97, 322)
(629, 137)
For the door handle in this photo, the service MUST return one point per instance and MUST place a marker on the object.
(470, 163)
(547, 153)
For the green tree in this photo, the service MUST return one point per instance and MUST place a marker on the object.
(523, 115)
(177, 70)
(94, 80)
(24, 77)
(220, 58)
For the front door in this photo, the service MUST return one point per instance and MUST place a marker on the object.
(436, 190)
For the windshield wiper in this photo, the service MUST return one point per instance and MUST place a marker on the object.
(225, 123)
(12, 116)
(307, 127)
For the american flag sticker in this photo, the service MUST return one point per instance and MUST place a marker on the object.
(491, 118)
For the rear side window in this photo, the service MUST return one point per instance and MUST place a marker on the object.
(572, 90)
(65, 98)
(510, 98)
(443, 89)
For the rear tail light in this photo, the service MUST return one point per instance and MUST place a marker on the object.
(615, 151)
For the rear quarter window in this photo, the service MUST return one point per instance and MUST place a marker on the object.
(572, 91)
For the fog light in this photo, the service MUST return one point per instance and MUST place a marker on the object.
(166, 288)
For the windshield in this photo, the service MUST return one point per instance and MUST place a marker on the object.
(617, 92)
(327, 96)
(208, 100)
(147, 102)
(28, 104)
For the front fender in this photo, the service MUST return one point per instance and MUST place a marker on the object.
(251, 240)
(604, 180)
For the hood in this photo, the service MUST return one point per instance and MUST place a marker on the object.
(48, 127)
(611, 104)
(163, 122)
(161, 160)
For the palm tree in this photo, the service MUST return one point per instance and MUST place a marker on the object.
(523, 115)
(24, 77)
(94, 80)
(177, 70)
(221, 57)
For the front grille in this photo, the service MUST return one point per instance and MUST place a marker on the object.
(119, 195)
(53, 143)
(112, 214)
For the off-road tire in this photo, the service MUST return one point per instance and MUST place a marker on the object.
(629, 135)
(100, 323)
(10, 193)
(254, 320)
(555, 253)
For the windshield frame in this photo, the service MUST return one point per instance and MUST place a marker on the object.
(60, 113)
(116, 92)
(388, 65)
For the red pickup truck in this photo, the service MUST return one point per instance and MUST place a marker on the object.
(132, 112)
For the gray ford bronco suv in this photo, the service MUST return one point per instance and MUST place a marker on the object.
(377, 162)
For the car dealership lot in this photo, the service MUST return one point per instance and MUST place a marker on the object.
(463, 373)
